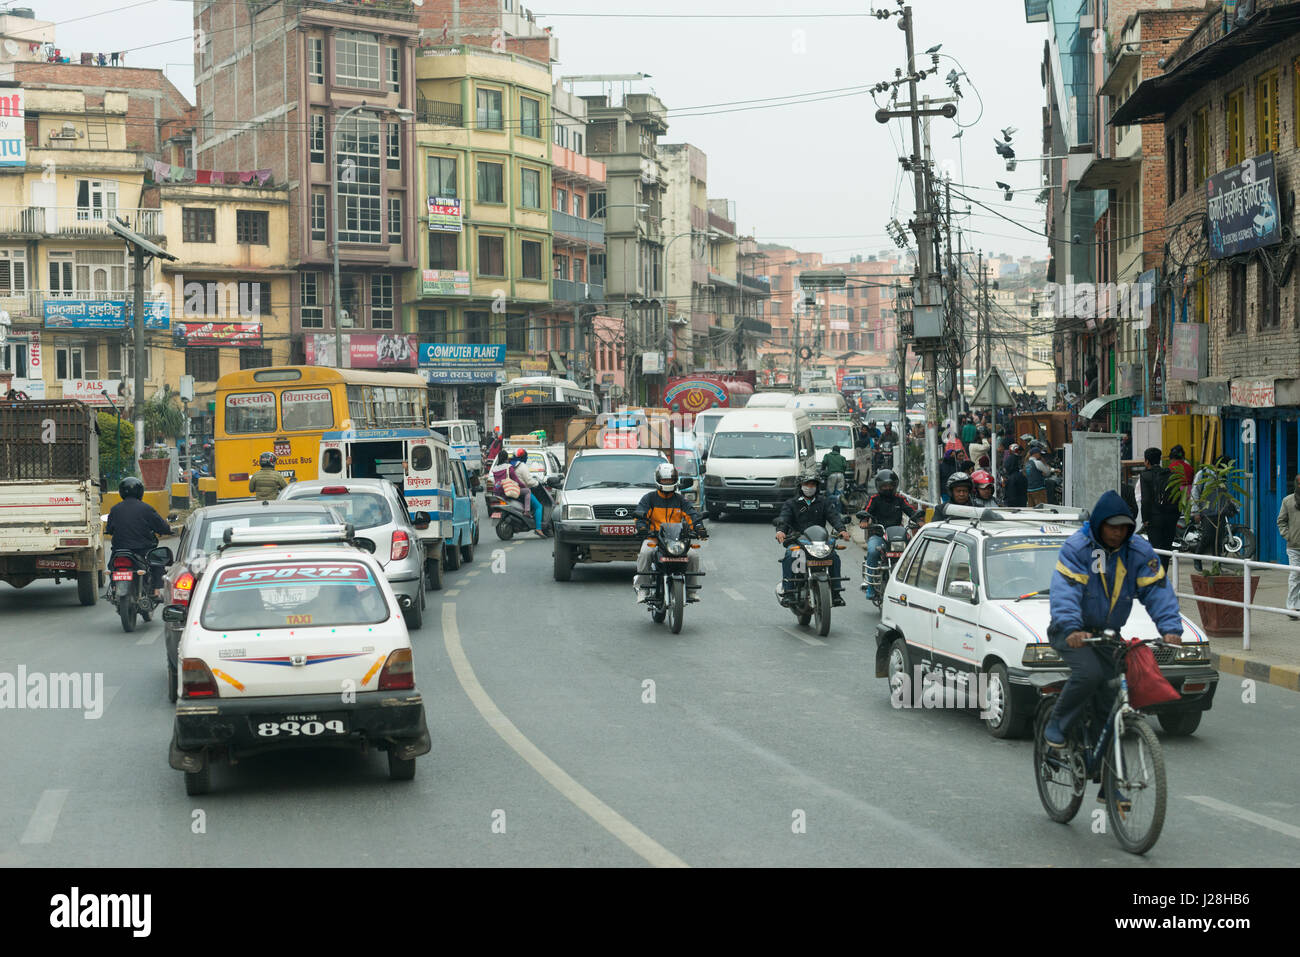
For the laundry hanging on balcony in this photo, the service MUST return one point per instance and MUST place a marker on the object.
(162, 173)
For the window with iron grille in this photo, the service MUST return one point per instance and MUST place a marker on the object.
(356, 56)
(317, 138)
(381, 301)
(250, 358)
(530, 260)
(13, 272)
(198, 225)
(394, 219)
(317, 215)
(203, 363)
(491, 256)
(358, 179)
(442, 251)
(310, 309)
(251, 227)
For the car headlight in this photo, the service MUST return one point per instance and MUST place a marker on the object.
(1193, 654)
(818, 549)
(578, 513)
(713, 480)
(1041, 655)
(676, 548)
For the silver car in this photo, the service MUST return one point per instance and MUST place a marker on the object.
(376, 512)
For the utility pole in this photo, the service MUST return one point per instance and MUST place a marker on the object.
(960, 297)
(979, 318)
(798, 310)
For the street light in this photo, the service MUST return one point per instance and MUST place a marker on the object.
(404, 114)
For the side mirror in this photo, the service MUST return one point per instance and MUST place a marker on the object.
(555, 481)
(364, 544)
(174, 614)
(963, 590)
(161, 556)
(685, 483)
(420, 520)
(803, 453)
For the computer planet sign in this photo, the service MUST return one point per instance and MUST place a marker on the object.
(696, 395)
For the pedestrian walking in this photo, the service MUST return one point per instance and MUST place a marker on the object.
(1288, 525)
(1159, 508)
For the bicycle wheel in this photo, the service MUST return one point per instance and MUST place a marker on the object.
(1140, 779)
(1059, 788)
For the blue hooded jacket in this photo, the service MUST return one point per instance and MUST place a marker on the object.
(1085, 600)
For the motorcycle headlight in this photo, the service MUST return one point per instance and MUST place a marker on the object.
(676, 548)
(1041, 655)
(578, 513)
(818, 549)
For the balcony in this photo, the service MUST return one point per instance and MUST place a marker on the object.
(569, 290)
(754, 284)
(578, 229)
(75, 221)
(438, 112)
(30, 304)
(722, 225)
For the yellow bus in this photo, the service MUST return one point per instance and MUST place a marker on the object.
(286, 409)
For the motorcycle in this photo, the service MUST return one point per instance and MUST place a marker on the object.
(131, 581)
(1234, 541)
(510, 517)
(854, 497)
(811, 596)
(896, 538)
(672, 582)
(884, 457)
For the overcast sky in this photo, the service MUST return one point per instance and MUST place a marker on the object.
(819, 175)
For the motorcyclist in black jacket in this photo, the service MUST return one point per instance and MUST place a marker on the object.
(809, 508)
(884, 508)
(135, 525)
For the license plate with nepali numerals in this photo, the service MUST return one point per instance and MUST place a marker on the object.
(815, 562)
(618, 529)
(300, 725)
(122, 576)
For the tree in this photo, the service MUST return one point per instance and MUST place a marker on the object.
(115, 458)
(163, 418)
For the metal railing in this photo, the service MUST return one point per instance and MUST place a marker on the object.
(439, 112)
(76, 220)
(1245, 604)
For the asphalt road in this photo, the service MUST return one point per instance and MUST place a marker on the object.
(760, 745)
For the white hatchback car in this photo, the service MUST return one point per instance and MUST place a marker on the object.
(968, 602)
(293, 638)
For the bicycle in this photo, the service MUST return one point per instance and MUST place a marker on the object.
(1126, 757)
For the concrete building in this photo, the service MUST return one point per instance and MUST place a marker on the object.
(504, 26)
(275, 82)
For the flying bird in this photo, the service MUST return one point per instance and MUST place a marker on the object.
(1003, 149)
(959, 133)
(1003, 186)
(935, 48)
(1007, 133)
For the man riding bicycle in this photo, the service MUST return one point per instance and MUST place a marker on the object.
(1101, 568)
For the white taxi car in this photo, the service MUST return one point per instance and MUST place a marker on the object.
(968, 608)
(293, 638)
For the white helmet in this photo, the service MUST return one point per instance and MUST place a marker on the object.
(666, 478)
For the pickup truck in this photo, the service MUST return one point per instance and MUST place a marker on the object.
(49, 495)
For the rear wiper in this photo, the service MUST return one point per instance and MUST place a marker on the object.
(1033, 594)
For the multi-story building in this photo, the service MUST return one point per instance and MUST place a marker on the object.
(484, 146)
(321, 94)
(65, 279)
(1228, 319)
(502, 25)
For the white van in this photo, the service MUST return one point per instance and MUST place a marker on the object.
(462, 436)
(769, 400)
(757, 459)
(821, 402)
(706, 423)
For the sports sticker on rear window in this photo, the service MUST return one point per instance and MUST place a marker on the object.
(315, 573)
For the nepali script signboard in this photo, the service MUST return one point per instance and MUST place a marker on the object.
(13, 132)
(1242, 206)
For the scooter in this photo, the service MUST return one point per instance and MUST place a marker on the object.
(673, 584)
(510, 517)
(131, 581)
(896, 538)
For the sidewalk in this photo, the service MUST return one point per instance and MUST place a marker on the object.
(1274, 655)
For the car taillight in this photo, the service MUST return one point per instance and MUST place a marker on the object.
(122, 561)
(239, 476)
(401, 545)
(334, 490)
(182, 589)
(398, 673)
(197, 680)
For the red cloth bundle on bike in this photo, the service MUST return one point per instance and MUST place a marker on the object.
(1146, 685)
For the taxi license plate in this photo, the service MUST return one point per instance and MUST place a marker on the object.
(618, 529)
(814, 562)
(496, 514)
(121, 576)
(670, 558)
(749, 504)
(299, 725)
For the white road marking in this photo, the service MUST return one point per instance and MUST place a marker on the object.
(732, 593)
(110, 692)
(633, 837)
(147, 639)
(473, 573)
(40, 828)
(1290, 830)
(451, 591)
(807, 640)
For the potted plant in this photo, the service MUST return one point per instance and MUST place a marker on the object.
(155, 461)
(1218, 483)
(163, 421)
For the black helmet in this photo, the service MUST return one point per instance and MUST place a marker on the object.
(961, 478)
(131, 487)
(835, 449)
(886, 477)
(266, 460)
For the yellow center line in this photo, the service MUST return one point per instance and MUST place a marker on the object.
(633, 837)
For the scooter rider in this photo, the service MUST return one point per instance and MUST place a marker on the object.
(266, 483)
(664, 504)
(883, 508)
(983, 489)
(134, 525)
(530, 487)
(806, 510)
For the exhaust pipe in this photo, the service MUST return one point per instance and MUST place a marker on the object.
(405, 602)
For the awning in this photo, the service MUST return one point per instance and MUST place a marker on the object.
(1163, 94)
(1096, 405)
(1111, 173)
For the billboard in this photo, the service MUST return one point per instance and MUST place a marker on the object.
(103, 314)
(444, 282)
(13, 133)
(450, 355)
(463, 376)
(1242, 207)
(91, 391)
(1187, 351)
(218, 333)
(364, 351)
(444, 214)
